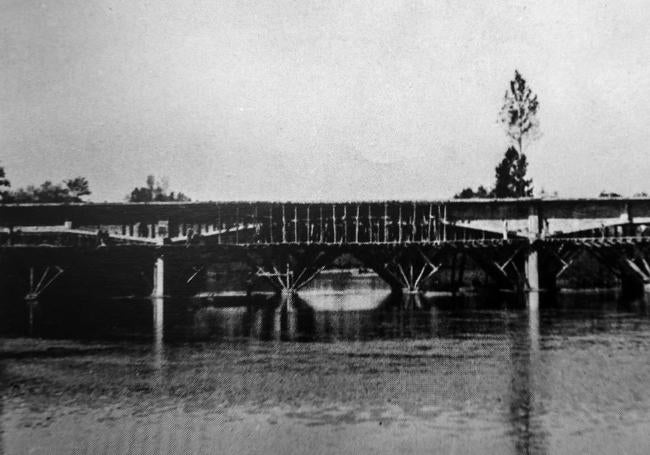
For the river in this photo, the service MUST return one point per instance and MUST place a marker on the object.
(343, 368)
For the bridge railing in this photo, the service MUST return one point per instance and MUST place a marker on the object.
(348, 222)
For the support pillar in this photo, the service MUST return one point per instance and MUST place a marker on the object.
(158, 278)
(532, 270)
(532, 256)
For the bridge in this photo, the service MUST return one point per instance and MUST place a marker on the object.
(522, 244)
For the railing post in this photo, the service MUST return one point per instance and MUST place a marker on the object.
(284, 226)
(370, 223)
(271, 224)
(399, 225)
(334, 222)
(308, 227)
(356, 226)
(344, 235)
(320, 225)
(429, 223)
(295, 223)
(385, 222)
(413, 223)
(444, 224)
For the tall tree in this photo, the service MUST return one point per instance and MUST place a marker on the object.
(510, 175)
(69, 191)
(519, 113)
(519, 117)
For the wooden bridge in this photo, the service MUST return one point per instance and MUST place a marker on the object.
(523, 244)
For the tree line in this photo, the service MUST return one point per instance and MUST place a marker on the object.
(70, 190)
(75, 190)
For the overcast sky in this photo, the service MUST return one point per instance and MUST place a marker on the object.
(321, 100)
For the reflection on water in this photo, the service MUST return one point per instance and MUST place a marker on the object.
(158, 304)
(329, 371)
(525, 407)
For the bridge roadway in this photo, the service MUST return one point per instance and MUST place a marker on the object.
(523, 244)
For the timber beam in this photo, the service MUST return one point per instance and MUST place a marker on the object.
(36, 288)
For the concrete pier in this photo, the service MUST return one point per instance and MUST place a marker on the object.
(532, 258)
(532, 271)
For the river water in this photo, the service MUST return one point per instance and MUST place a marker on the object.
(344, 368)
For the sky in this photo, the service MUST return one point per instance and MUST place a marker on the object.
(318, 100)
